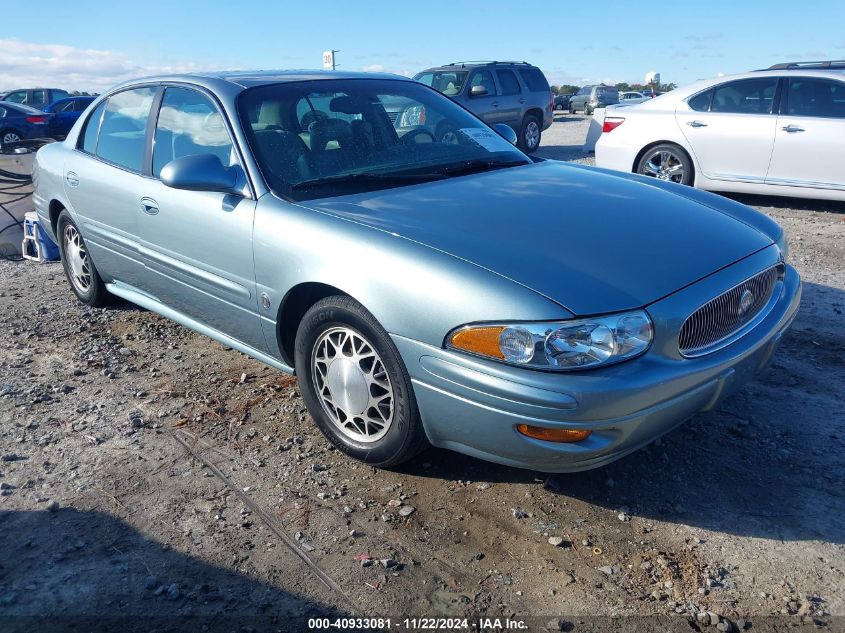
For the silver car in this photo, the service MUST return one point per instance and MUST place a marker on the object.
(458, 294)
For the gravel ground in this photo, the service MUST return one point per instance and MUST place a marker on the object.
(153, 479)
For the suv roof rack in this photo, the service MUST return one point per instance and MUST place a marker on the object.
(480, 62)
(833, 64)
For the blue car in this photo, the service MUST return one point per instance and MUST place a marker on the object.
(19, 122)
(425, 290)
(66, 112)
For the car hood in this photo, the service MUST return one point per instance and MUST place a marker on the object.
(590, 241)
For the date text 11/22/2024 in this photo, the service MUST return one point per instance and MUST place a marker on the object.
(418, 624)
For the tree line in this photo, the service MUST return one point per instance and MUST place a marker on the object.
(622, 86)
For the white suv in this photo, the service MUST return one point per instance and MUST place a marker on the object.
(779, 131)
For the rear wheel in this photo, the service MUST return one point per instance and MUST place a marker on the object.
(7, 137)
(355, 384)
(667, 161)
(571, 109)
(530, 134)
(76, 261)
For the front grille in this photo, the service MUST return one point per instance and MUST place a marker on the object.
(393, 115)
(720, 318)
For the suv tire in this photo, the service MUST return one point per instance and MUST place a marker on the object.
(530, 134)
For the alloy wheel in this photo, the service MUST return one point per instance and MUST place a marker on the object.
(532, 135)
(9, 137)
(77, 258)
(664, 165)
(352, 384)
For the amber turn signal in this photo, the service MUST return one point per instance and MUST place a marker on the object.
(553, 435)
(479, 340)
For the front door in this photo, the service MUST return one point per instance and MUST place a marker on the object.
(733, 138)
(197, 245)
(486, 107)
(810, 137)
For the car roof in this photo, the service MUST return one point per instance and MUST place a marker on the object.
(476, 64)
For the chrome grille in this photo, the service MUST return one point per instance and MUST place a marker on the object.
(393, 115)
(722, 317)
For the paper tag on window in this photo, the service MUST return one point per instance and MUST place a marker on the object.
(488, 139)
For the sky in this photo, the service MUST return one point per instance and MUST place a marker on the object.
(88, 45)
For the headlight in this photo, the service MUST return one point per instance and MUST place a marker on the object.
(413, 116)
(565, 345)
(783, 247)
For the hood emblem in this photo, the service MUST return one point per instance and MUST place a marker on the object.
(745, 302)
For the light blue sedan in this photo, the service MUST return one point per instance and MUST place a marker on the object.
(458, 294)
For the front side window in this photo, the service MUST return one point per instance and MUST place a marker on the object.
(92, 127)
(746, 96)
(448, 82)
(189, 124)
(816, 98)
(509, 82)
(315, 139)
(483, 78)
(123, 131)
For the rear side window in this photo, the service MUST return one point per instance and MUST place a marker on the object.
(746, 96)
(19, 96)
(701, 102)
(189, 124)
(92, 126)
(534, 79)
(124, 128)
(816, 98)
(509, 82)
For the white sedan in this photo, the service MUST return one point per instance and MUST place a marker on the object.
(780, 131)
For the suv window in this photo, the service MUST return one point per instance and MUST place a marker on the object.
(189, 124)
(585, 90)
(534, 79)
(701, 101)
(483, 78)
(123, 130)
(92, 126)
(745, 96)
(508, 82)
(60, 94)
(18, 96)
(447, 82)
(816, 97)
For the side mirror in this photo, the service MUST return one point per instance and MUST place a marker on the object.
(199, 172)
(477, 91)
(506, 132)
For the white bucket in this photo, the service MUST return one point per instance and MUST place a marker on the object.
(15, 198)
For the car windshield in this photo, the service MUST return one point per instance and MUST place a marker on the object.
(448, 82)
(315, 139)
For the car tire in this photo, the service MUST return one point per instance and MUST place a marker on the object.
(80, 271)
(446, 133)
(667, 161)
(530, 134)
(344, 360)
(571, 109)
(587, 110)
(559, 107)
(8, 136)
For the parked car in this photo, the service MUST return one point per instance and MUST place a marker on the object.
(632, 97)
(775, 132)
(35, 97)
(561, 102)
(424, 292)
(588, 98)
(20, 122)
(66, 112)
(514, 93)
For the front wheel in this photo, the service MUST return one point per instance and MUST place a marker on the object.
(667, 162)
(529, 136)
(355, 384)
(76, 261)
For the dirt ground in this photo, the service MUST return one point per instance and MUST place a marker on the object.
(152, 479)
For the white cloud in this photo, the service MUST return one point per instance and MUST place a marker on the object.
(373, 68)
(26, 65)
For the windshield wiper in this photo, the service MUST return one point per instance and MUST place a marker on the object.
(475, 166)
(365, 177)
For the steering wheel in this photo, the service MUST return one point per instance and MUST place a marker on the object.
(409, 136)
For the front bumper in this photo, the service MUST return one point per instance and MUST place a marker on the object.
(473, 406)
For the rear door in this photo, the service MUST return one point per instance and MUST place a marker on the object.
(197, 245)
(731, 128)
(512, 100)
(102, 181)
(810, 137)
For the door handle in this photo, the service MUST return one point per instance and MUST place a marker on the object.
(522, 100)
(149, 206)
(792, 129)
(72, 179)
(696, 124)
(495, 104)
